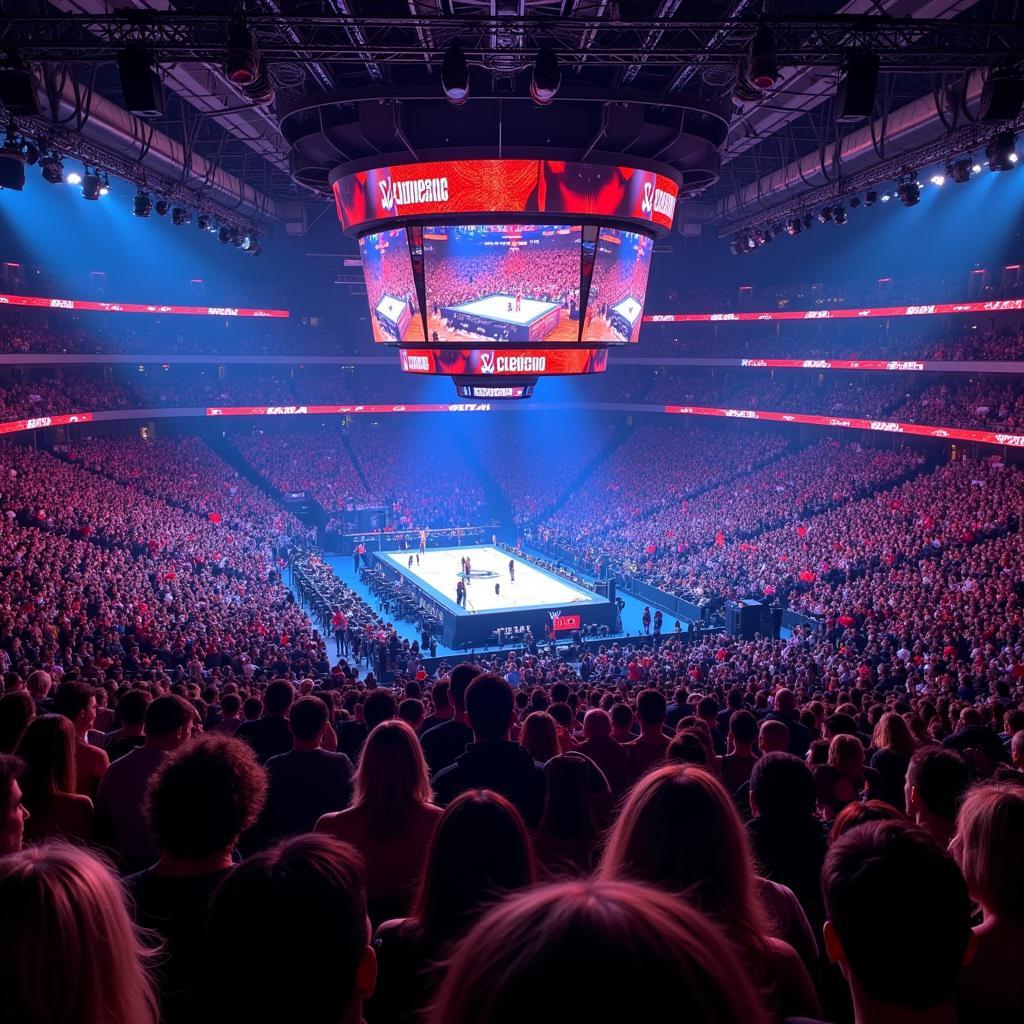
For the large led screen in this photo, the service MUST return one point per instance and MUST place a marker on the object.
(502, 283)
(390, 287)
(615, 303)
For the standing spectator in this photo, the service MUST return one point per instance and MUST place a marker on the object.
(739, 763)
(13, 813)
(16, 711)
(445, 742)
(378, 707)
(611, 757)
(131, 710)
(199, 801)
(575, 810)
(77, 702)
(48, 783)
(650, 748)
(120, 822)
(936, 782)
(270, 734)
(492, 760)
(894, 745)
(230, 714)
(307, 782)
(61, 907)
(786, 712)
(539, 736)
(392, 818)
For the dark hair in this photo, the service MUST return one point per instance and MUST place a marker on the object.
(489, 706)
(252, 707)
(230, 703)
(292, 920)
(131, 707)
(72, 698)
(941, 778)
(48, 750)
(11, 768)
(689, 747)
(857, 813)
(17, 709)
(460, 678)
(621, 715)
(743, 725)
(204, 795)
(480, 849)
(378, 707)
(307, 718)
(278, 697)
(411, 710)
(166, 715)
(900, 908)
(650, 707)
(783, 787)
(707, 707)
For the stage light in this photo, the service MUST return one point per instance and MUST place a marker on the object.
(105, 186)
(203, 222)
(142, 204)
(73, 178)
(793, 227)
(12, 163)
(886, 197)
(938, 179)
(976, 168)
(908, 189)
(763, 70)
(52, 168)
(960, 171)
(838, 215)
(31, 152)
(808, 222)
(737, 247)
(161, 207)
(226, 234)
(455, 75)
(825, 214)
(1000, 151)
(180, 215)
(854, 202)
(547, 77)
(91, 185)
(242, 65)
(870, 198)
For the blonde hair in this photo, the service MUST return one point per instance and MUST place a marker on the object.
(392, 777)
(539, 736)
(846, 755)
(69, 953)
(989, 846)
(680, 830)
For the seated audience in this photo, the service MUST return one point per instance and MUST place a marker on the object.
(443, 743)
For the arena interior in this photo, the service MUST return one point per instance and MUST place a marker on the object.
(510, 512)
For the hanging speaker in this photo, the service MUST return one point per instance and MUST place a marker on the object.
(1002, 96)
(855, 95)
(140, 84)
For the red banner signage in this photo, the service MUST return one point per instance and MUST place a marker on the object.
(38, 422)
(503, 362)
(340, 410)
(564, 623)
(835, 364)
(40, 302)
(440, 188)
(941, 308)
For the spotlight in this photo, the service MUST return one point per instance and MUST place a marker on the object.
(546, 77)
(886, 197)
(242, 65)
(73, 178)
(52, 168)
(938, 179)
(92, 184)
(908, 189)
(975, 168)
(808, 222)
(455, 75)
(161, 207)
(203, 222)
(31, 153)
(1000, 151)
(838, 215)
(12, 163)
(251, 245)
(105, 186)
(226, 234)
(960, 171)
(737, 247)
(180, 215)
(870, 198)
(793, 227)
(142, 204)
(854, 202)
(825, 214)
(764, 72)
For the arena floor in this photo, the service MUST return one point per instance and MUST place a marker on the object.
(439, 571)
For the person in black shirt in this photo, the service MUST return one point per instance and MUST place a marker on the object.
(445, 742)
(378, 707)
(270, 734)
(307, 782)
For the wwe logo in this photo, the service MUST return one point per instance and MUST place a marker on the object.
(647, 203)
(555, 615)
(487, 362)
(387, 194)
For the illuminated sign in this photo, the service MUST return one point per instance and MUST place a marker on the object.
(132, 307)
(1002, 306)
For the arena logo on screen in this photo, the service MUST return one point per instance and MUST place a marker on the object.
(892, 428)
(1011, 439)
(287, 410)
(395, 194)
(743, 414)
(62, 303)
(40, 421)
(657, 200)
(903, 365)
(414, 363)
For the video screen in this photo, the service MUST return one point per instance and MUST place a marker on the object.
(615, 302)
(390, 287)
(502, 283)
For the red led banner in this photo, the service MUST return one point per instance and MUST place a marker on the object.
(37, 422)
(440, 188)
(343, 410)
(836, 364)
(503, 362)
(883, 426)
(1000, 306)
(40, 302)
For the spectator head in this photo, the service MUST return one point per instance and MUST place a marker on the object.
(903, 960)
(989, 846)
(597, 724)
(48, 750)
(573, 784)
(230, 705)
(16, 711)
(441, 695)
(782, 788)
(489, 707)
(1017, 750)
(707, 708)
(893, 733)
(307, 719)
(622, 717)
(743, 726)
(131, 708)
(479, 851)
(785, 702)
(13, 814)
(411, 712)
(689, 747)
(62, 904)
(294, 915)
(252, 708)
(460, 678)
(773, 737)
(846, 755)
(39, 684)
(204, 796)
(651, 708)
(651, 941)
(278, 697)
(378, 707)
(936, 782)
(539, 736)
(392, 778)
(76, 701)
(169, 721)
(857, 813)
